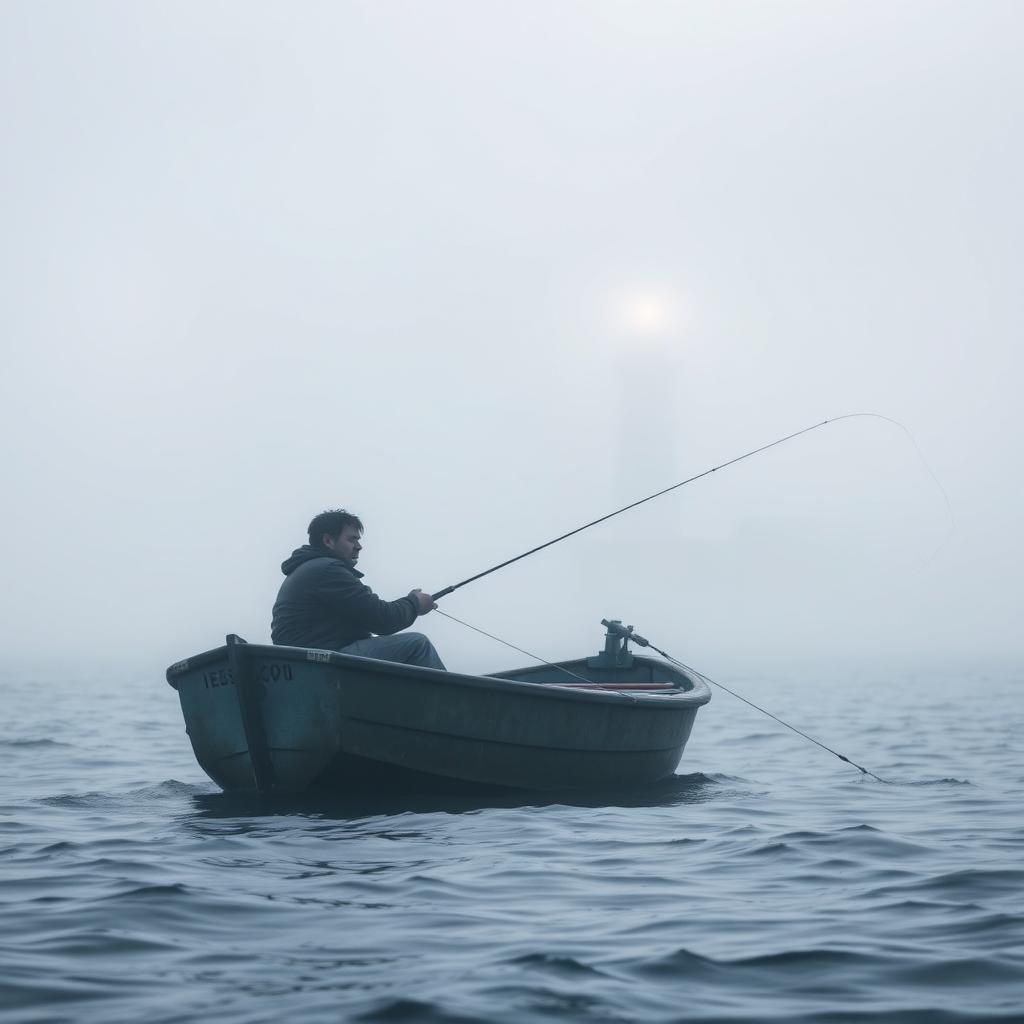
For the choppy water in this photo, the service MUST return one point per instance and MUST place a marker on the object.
(770, 882)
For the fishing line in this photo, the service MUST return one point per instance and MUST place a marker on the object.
(928, 470)
(690, 480)
(535, 657)
(628, 634)
(722, 686)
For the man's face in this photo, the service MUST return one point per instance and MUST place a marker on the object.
(346, 544)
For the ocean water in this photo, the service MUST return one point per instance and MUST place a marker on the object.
(768, 881)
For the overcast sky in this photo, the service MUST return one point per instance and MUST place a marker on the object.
(483, 271)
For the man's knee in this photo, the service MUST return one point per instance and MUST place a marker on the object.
(404, 648)
(423, 651)
(418, 642)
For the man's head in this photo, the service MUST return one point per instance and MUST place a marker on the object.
(337, 532)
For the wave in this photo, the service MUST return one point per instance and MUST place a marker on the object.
(413, 1010)
(938, 782)
(563, 965)
(31, 744)
(167, 790)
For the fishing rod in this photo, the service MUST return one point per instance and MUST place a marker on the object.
(626, 632)
(683, 483)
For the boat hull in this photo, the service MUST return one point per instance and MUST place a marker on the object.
(284, 719)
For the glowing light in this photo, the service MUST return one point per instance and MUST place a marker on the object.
(645, 313)
(646, 316)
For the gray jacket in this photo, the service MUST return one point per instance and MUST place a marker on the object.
(322, 604)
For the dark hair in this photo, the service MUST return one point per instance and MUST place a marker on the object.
(331, 522)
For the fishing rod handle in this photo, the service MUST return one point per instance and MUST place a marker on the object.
(441, 593)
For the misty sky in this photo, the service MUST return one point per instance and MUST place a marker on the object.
(483, 271)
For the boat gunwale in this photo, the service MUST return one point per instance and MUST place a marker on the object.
(697, 696)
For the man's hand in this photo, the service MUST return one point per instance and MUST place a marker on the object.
(424, 603)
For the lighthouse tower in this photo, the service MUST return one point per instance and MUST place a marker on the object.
(648, 391)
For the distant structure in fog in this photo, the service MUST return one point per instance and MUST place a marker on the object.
(648, 390)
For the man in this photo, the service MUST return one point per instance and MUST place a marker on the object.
(322, 603)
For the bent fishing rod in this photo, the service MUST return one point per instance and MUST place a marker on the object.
(674, 487)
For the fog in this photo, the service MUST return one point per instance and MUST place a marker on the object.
(482, 272)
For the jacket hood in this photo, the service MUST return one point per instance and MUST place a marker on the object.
(307, 553)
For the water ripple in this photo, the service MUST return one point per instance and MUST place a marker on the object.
(767, 884)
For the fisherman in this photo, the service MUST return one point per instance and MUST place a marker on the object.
(322, 604)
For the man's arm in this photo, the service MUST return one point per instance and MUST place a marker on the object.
(357, 603)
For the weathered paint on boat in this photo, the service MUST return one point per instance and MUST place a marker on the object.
(287, 719)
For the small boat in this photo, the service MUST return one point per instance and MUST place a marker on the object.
(274, 719)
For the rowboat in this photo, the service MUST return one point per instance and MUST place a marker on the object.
(274, 719)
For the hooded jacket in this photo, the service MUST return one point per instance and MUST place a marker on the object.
(322, 604)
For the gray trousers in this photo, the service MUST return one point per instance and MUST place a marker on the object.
(405, 648)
